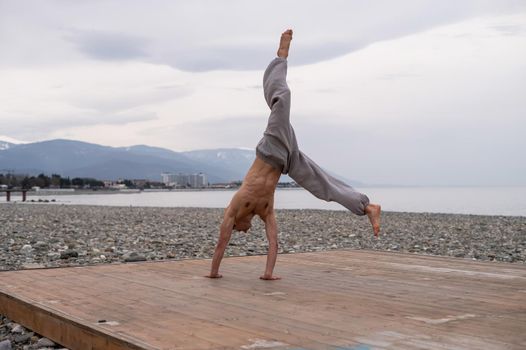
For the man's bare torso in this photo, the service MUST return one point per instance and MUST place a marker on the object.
(256, 195)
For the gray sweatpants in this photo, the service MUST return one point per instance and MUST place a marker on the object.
(279, 147)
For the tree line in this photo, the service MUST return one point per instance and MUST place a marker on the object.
(44, 181)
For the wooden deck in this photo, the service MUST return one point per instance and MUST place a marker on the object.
(329, 300)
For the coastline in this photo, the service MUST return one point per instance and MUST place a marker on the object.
(43, 235)
(477, 201)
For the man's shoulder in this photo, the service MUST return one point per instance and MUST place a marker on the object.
(235, 203)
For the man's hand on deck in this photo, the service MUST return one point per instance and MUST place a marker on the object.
(269, 278)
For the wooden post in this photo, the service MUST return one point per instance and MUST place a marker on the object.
(24, 192)
(7, 196)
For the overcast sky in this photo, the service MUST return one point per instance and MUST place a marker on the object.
(384, 92)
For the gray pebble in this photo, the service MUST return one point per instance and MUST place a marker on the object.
(69, 254)
(133, 257)
(40, 245)
(5, 345)
(26, 249)
(23, 338)
(44, 343)
(17, 328)
(77, 235)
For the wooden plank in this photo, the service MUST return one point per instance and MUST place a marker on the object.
(61, 329)
(336, 299)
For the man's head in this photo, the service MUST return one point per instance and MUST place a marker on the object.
(243, 224)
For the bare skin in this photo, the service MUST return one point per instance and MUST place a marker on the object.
(284, 44)
(256, 197)
(373, 211)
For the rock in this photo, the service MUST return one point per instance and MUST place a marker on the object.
(69, 254)
(17, 328)
(110, 233)
(44, 343)
(5, 345)
(40, 245)
(53, 256)
(23, 338)
(133, 257)
(26, 249)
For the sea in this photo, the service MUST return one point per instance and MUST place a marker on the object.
(508, 201)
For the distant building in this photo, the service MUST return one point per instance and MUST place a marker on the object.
(139, 182)
(108, 183)
(114, 185)
(118, 186)
(174, 180)
(198, 180)
(167, 178)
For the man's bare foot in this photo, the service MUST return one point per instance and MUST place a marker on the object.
(373, 212)
(284, 43)
(217, 275)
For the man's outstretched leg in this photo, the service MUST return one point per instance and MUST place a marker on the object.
(317, 181)
(279, 139)
(280, 149)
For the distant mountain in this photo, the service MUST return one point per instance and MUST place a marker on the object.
(75, 158)
(5, 145)
(82, 159)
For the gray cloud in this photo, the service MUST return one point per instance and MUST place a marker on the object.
(207, 35)
(422, 154)
(131, 99)
(105, 45)
(215, 133)
(426, 153)
(32, 129)
(509, 29)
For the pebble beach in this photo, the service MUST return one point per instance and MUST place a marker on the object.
(50, 235)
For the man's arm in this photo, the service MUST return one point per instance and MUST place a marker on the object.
(271, 228)
(224, 237)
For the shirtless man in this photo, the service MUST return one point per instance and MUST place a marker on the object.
(277, 153)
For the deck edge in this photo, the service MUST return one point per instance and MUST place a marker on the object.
(64, 331)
